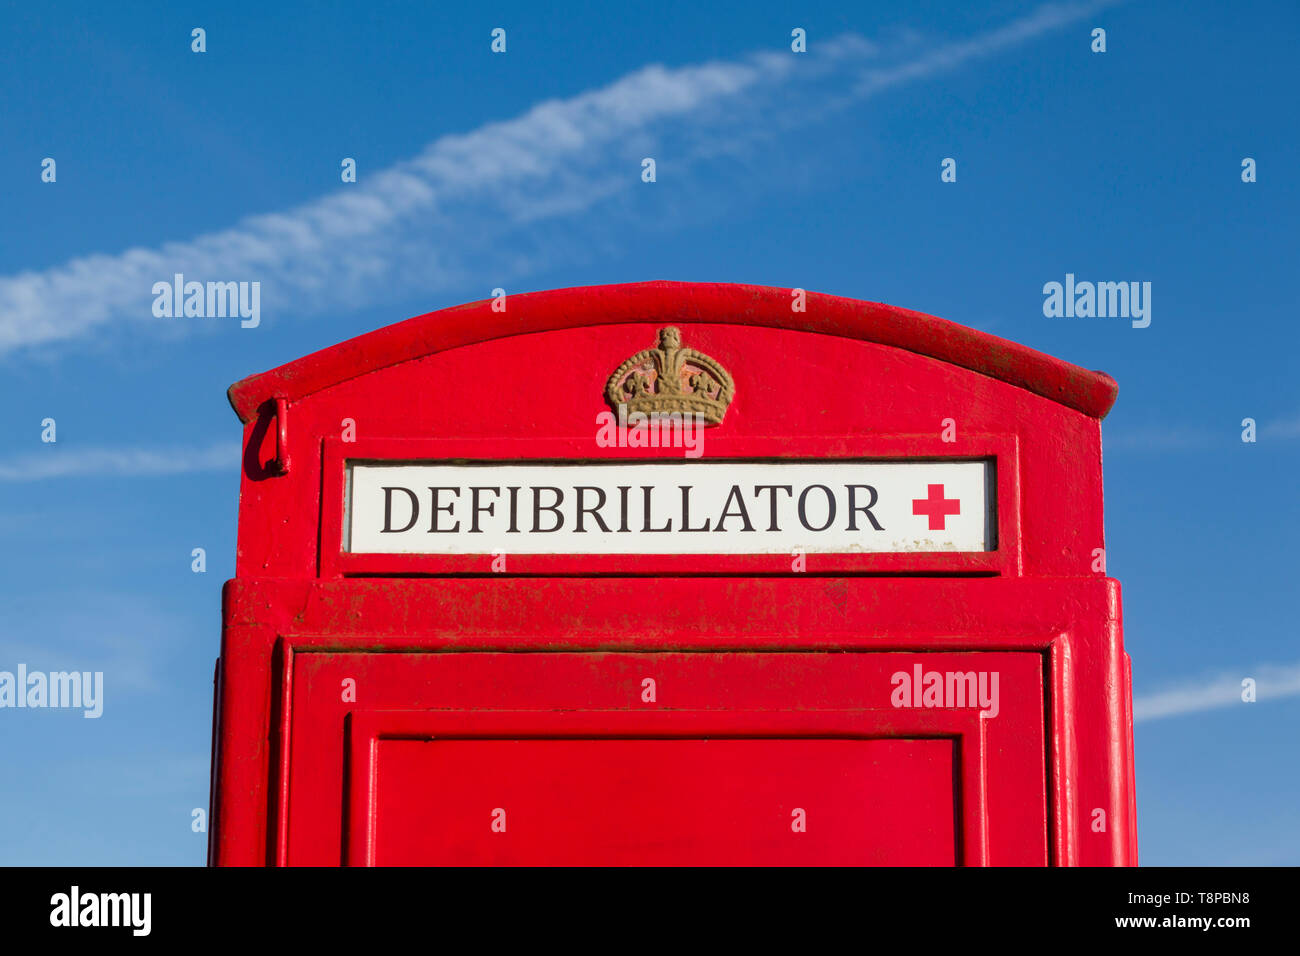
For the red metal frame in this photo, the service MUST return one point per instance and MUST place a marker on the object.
(571, 615)
(843, 380)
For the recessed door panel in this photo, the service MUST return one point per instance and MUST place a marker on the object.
(666, 759)
(664, 801)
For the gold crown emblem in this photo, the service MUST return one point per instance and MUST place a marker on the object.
(669, 379)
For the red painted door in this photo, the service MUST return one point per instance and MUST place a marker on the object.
(664, 801)
(739, 758)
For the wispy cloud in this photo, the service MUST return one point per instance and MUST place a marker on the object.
(1175, 437)
(60, 460)
(420, 224)
(1285, 429)
(949, 56)
(1221, 690)
(1161, 438)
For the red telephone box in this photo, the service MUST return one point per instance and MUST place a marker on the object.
(673, 573)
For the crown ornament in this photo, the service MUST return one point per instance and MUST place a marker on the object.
(670, 378)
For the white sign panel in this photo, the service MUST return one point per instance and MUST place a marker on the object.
(678, 507)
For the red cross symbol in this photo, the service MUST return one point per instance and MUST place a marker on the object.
(936, 507)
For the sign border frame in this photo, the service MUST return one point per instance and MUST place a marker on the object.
(1001, 449)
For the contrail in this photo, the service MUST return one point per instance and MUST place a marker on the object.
(1223, 690)
(417, 225)
(61, 461)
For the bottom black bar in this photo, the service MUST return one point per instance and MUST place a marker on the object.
(623, 906)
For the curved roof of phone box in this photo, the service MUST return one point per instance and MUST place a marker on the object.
(680, 303)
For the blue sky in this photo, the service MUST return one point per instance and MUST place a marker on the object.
(523, 171)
